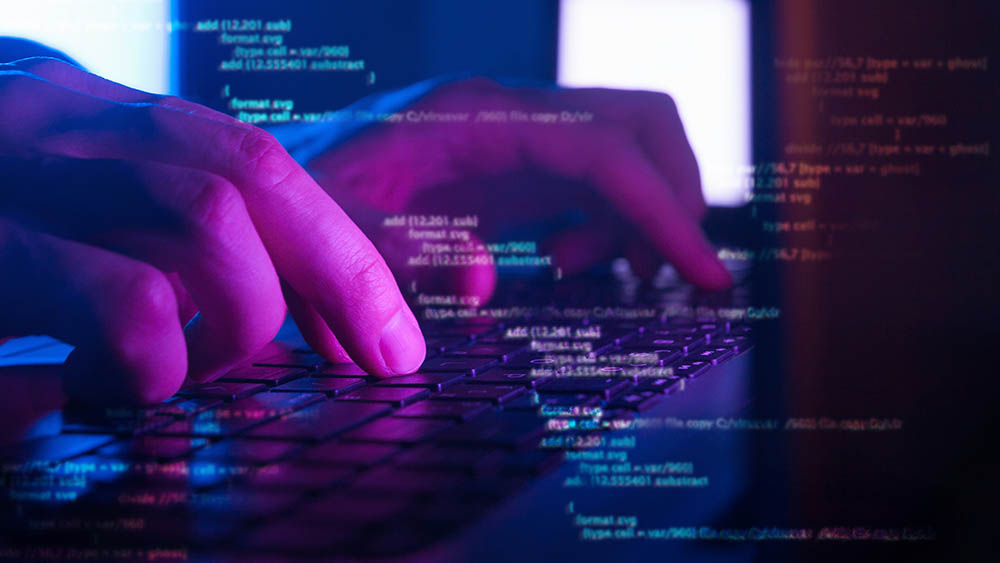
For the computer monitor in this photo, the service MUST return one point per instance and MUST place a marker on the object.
(698, 51)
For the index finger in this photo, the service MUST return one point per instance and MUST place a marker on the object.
(313, 244)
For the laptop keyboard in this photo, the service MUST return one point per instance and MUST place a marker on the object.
(289, 453)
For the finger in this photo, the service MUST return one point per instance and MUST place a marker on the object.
(473, 282)
(653, 118)
(220, 259)
(313, 243)
(616, 166)
(578, 249)
(69, 76)
(120, 313)
(476, 282)
(179, 220)
(640, 194)
(314, 329)
(661, 134)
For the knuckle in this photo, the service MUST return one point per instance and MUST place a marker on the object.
(659, 102)
(263, 158)
(42, 65)
(663, 99)
(215, 209)
(149, 296)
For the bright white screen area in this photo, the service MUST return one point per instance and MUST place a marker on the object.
(698, 51)
(122, 40)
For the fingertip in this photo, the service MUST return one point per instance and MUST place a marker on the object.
(402, 344)
(713, 274)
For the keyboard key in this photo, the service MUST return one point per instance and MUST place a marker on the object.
(665, 385)
(55, 448)
(458, 330)
(713, 355)
(246, 451)
(183, 407)
(538, 363)
(351, 454)
(240, 415)
(245, 502)
(154, 448)
(664, 354)
(277, 355)
(533, 401)
(121, 421)
(396, 396)
(331, 386)
(205, 425)
(496, 394)
(320, 421)
(507, 429)
(269, 375)
(691, 369)
(454, 410)
(606, 386)
(502, 352)
(433, 381)
(297, 477)
(340, 370)
(639, 401)
(507, 376)
(469, 366)
(684, 342)
(398, 430)
(276, 403)
(440, 344)
(221, 390)
(738, 344)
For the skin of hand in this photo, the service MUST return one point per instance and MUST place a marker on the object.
(627, 170)
(163, 240)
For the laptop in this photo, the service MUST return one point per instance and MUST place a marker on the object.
(598, 417)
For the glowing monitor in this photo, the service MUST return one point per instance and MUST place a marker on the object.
(122, 40)
(698, 51)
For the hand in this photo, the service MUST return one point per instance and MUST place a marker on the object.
(628, 175)
(122, 214)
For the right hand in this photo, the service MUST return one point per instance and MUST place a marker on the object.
(123, 214)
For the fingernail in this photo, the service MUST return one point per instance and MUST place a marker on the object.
(402, 343)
